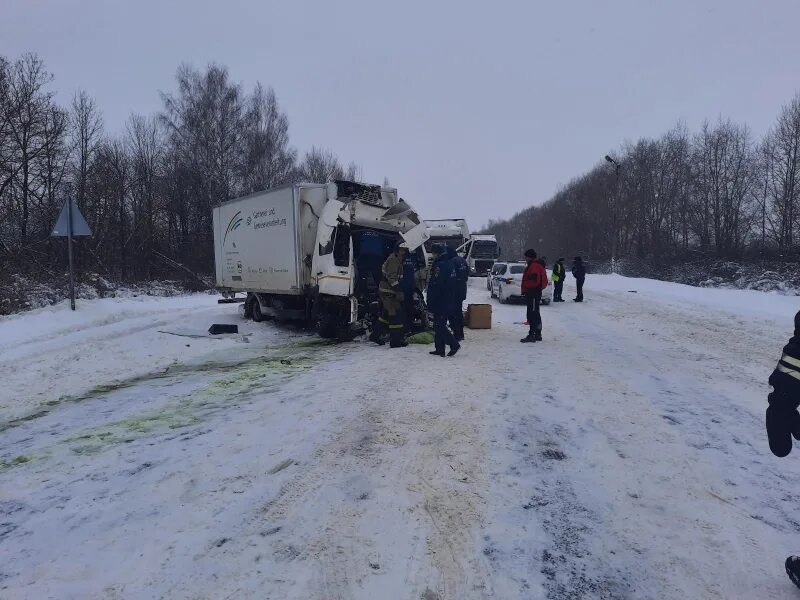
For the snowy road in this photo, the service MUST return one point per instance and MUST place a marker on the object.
(624, 457)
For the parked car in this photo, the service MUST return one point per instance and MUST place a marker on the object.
(508, 284)
(492, 277)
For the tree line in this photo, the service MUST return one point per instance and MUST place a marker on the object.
(719, 193)
(147, 193)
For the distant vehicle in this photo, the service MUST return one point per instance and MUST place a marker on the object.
(312, 252)
(449, 232)
(493, 277)
(480, 251)
(507, 284)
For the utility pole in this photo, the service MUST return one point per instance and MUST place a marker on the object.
(614, 200)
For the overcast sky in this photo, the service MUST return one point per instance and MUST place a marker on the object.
(471, 109)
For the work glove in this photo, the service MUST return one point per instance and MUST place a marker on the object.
(783, 422)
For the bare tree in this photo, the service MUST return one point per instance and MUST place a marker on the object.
(320, 166)
(27, 112)
(87, 131)
(781, 149)
(269, 160)
(145, 149)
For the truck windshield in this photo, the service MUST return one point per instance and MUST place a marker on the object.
(484, 249)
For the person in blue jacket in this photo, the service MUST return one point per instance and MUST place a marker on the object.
(461, 274)
(441, 288)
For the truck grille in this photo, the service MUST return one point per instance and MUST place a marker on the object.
(482, 266)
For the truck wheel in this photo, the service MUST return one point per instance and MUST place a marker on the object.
(327, 330)
(258, 316)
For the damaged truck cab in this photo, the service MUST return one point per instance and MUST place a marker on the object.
(312, 252)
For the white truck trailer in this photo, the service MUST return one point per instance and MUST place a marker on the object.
(312, 252)
(450, 232)
(480, 252)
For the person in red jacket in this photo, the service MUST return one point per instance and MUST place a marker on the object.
(534, 280)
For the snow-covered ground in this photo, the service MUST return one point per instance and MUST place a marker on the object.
(623, 457)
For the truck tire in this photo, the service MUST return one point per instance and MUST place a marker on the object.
(258, 316)
(327, 330)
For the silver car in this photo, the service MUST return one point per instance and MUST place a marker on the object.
(507, 285)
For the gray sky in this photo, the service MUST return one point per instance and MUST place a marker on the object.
(472, 109)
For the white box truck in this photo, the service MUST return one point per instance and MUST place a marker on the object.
(480, 252)
(312, 252)
(450, 232)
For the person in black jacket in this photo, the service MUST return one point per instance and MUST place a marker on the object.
(782, 418)
(461, 274)
(579, 273)
(559, 275)
(441, 292)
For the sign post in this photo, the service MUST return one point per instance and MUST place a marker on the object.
(70, 223)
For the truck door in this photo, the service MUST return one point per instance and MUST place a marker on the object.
(332, 264)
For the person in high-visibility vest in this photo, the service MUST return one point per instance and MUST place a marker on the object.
(559, 274)
(782, 418)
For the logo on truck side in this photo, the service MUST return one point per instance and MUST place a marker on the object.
(234, 223)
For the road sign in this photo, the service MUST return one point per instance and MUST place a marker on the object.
(79, 224)
(70, 223)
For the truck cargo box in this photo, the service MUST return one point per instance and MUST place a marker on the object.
(258, 245)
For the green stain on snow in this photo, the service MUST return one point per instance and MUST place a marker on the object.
(176, 369)
(14, 462)
(241, 381)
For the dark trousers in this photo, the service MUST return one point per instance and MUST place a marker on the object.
(442, 336)
(533, 300)
(456, 320)
(559, 288)
(408, 311)
(579, 283)
(391, 319)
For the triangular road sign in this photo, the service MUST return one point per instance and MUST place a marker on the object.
(79, 224)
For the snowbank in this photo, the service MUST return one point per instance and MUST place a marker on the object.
(748, 303)
(20, 293)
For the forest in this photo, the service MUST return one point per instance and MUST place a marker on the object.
(146, 193)
(715, 194)
(719, 193)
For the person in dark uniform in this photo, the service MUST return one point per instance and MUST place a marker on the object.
(559, 274)
(441, 288)
(579, 273)
(461, 274)
(782, 418)
(534, 280)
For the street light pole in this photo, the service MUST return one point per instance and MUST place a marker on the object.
(615, 198)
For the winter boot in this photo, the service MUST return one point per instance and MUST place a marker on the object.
(793, 569)
(376, 337)
(397, 339)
